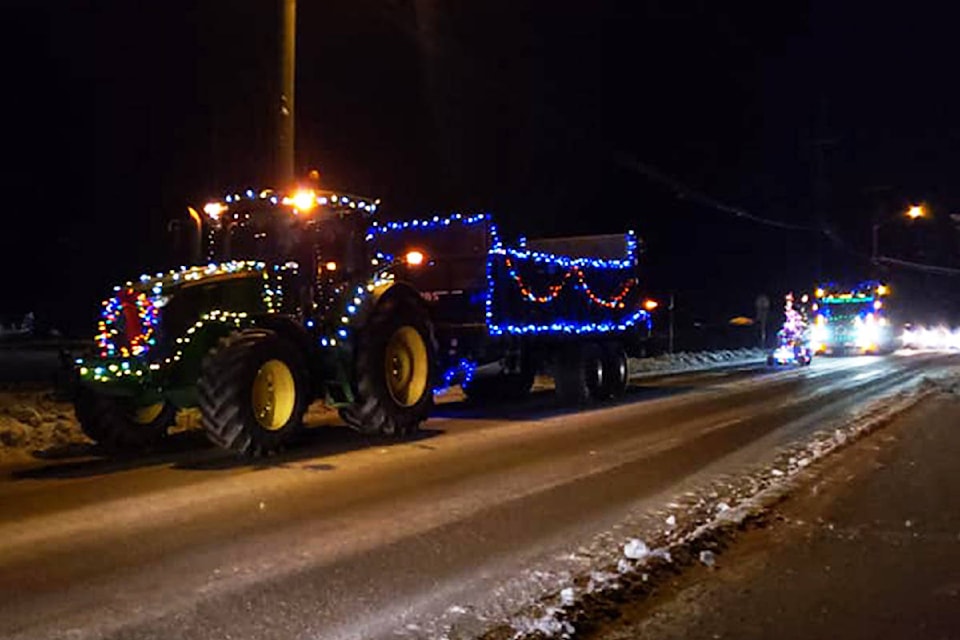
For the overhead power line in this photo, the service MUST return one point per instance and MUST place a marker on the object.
(918, 266)
(685, 192)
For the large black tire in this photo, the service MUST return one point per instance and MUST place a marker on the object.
(508, 387)
(118, 424)
(395, 369)
(577, 373)
(253, 392)
(614, 371)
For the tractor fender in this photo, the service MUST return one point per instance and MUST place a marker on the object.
(192, 347)
(386, 291)
(288, 328)
(396, 288)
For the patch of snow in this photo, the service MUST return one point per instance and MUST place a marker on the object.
(549, 625)
(599, 580)
(566, 597)
(708, 558)
(693, 361)
(636, 549)
(671, 521)
(662, 553)
(723, 506)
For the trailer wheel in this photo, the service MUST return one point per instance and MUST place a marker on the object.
(509, 387)
(614, 371)
(395, 366)
(253, 392)
(120, 425)
(578, 373)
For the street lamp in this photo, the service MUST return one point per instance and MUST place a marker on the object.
(914, 212)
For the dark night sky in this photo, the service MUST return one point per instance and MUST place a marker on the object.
(120, 114)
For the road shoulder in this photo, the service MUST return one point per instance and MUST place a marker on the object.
(870, 547)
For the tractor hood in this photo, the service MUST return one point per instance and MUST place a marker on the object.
(144, 315)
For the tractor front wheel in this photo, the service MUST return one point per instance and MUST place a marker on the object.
(253, 392)
(120, 424)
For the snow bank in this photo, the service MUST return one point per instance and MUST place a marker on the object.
(36, 420)
(694, 361)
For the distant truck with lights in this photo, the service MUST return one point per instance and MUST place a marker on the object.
(852, 320)
(306, 296)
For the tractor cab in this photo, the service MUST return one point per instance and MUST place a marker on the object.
(322, 231)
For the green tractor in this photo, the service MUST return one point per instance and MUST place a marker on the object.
(306, 297)
(291, 307)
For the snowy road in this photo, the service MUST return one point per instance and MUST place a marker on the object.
(353, 538)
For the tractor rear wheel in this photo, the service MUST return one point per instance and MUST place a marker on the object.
(395, 369)
(120, 424)
(253, 392)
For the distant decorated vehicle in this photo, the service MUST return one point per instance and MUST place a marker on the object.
(305, 296)
(793, 339)
(853, 320)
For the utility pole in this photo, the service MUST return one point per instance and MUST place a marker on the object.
(670, 339)
(285, 122)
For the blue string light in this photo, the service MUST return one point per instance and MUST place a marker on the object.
(461, 373)
(561, 327)
(498, 254)
(436, 222)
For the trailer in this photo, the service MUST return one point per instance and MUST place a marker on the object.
(568, 307)
(307, 296)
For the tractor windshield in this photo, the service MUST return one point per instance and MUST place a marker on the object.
(278, 234)
(269, 234)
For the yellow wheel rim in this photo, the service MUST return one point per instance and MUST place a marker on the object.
(147, 414)
(274, 395)
(406, 366)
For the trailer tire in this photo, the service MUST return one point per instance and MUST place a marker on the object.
(509, 387)
(614, 371)
(395, 369)
(253, 391)
(118, 425)
(577, 373)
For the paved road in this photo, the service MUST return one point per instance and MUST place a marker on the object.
(868, 548)
(348, 537)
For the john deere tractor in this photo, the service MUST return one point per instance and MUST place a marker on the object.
(292, 305)
(306, 297)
